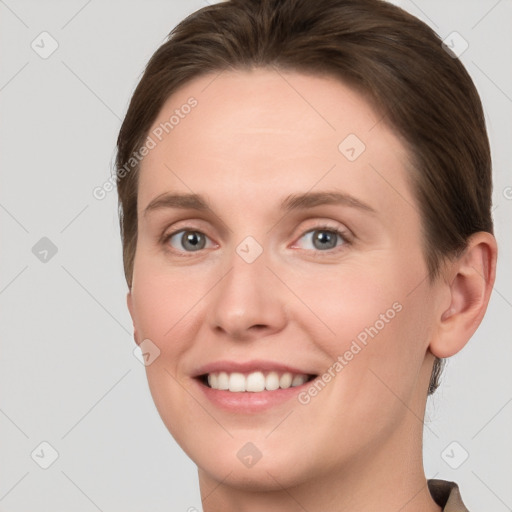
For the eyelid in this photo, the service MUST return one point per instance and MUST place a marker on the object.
(183, 225)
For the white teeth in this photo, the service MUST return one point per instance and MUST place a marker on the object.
(298, 380)
(255, 381)
(285, 381)
(222, 381)
(272, 381)
(213, 380)
(236, 382)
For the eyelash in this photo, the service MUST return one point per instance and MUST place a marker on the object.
(342, 234)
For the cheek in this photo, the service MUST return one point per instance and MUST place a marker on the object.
(376, 352)
(164, 302)
(371, 318)
(345, 302)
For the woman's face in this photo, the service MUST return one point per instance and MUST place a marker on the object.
(240, 274)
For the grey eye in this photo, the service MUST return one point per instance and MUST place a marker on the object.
(188, 240)
(323, 239)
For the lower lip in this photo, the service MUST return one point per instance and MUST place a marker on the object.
(250, 402)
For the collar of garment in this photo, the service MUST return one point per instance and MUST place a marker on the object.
(447, 495)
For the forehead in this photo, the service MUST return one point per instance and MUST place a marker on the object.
(268, 132)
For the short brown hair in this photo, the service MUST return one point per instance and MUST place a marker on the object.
(422, 91)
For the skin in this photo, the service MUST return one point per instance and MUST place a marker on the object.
(254, 138)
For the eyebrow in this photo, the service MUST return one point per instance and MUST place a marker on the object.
(290, 203)
(312, 199)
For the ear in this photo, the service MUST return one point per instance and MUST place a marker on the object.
(469, 280)
(129, 303)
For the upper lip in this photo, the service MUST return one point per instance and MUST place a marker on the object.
(247, 367)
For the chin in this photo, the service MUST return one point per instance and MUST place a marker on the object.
(264, 476)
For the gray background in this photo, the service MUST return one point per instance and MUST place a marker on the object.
(68, 375)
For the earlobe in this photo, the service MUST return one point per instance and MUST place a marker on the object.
(470, 282)
(129, 303)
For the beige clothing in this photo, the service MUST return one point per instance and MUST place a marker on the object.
(447, 495)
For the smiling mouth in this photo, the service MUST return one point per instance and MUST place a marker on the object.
(253, 382)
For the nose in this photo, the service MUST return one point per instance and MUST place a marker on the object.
(249, 300)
